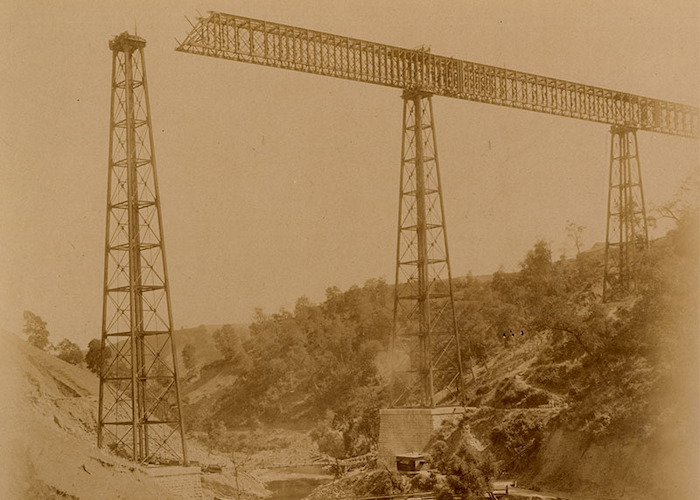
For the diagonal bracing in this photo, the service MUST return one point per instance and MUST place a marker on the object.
(425, 357)
(140, 414)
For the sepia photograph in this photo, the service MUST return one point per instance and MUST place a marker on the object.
(325, 250)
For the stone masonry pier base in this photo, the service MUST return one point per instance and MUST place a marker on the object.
(405, 431)
(185, 483)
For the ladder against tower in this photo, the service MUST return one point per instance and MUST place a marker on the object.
(139, 413)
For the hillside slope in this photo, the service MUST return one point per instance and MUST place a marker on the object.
(48, 425)
(202, 340)
(576, 395)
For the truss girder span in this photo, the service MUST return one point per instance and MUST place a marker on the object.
(425, 357)
(237, 38)
(139, 405)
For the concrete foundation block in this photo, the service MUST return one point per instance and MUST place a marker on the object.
(404, 431)
(185, 483)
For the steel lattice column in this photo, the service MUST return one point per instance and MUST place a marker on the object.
(425, 354)
(627, 233)
(139, 403)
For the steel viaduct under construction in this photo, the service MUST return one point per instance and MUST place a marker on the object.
(139, 404)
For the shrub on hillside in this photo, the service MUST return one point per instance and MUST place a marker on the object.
(340, 436)
(462, 473)
(97, 356)
(220, 438)
(520, 435)
(511, 393)
(329, 441)
(465, 476)
(556, 377)
(69, 352)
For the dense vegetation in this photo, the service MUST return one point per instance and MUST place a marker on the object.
(607, 367)
(38, 336)
(317, 363)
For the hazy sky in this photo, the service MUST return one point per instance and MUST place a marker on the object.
(276, 184)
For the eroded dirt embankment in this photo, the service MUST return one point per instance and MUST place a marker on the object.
(665, 466)
(47, 427)
(48, 440)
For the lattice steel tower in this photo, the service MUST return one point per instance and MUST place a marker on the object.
(425, 355)
(139, 403)
(627, 235)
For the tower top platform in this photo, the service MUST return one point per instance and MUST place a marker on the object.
(125, 42)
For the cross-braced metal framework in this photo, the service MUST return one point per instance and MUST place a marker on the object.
(239, 38)
(627, 235)
(425, 354)
(139, 402)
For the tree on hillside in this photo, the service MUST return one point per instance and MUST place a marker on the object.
(537, 265)
(35, 330)
(465, 476)
(684, 202)
(188, 356)
(329, 440)
(554, 303)
(575, 233)
(69, 352)
(229, 344)
(93, 356)
(537, 275)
